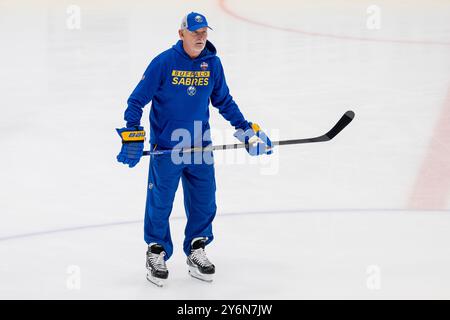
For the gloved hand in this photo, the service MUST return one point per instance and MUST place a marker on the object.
(132, 145)
(257, 142)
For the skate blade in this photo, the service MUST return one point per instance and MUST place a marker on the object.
(193, 272)
(156, 281)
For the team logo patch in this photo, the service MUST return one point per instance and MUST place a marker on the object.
(198, 19)
(204, 66)
(191, 90)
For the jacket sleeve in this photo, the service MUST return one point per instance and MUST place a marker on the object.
(222, 100)
(143, 93)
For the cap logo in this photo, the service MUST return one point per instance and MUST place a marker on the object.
(198, 19)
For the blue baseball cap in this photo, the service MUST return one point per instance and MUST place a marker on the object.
(194, 21)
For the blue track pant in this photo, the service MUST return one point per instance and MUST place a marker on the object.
(199, 188)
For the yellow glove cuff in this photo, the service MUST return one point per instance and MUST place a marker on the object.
(256, 127)
(133, 136)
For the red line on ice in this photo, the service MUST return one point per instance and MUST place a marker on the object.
(432, 186)
(226, 9)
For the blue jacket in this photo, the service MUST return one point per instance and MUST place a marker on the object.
(180, 89)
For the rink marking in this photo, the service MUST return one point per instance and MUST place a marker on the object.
(223, 7)
(231, 214)
(432, 187)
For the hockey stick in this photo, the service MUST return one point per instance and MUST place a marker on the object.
(338, 127)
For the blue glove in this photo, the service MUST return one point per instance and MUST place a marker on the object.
(132, 145)
(257, 142)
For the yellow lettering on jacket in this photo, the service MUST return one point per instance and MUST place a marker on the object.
(190, 78)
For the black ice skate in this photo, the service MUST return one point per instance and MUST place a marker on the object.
(199, 265)
(157, 271)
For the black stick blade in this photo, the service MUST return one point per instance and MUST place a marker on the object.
(341, 124)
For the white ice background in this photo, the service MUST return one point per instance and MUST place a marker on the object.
(327, 220)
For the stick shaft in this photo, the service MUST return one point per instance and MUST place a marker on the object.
(338, 127)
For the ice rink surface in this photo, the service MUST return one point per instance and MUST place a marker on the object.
(364, 216)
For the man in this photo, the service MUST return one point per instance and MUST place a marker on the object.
(181, 82)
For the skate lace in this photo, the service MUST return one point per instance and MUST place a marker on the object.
(157, 260)
(199, 257)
